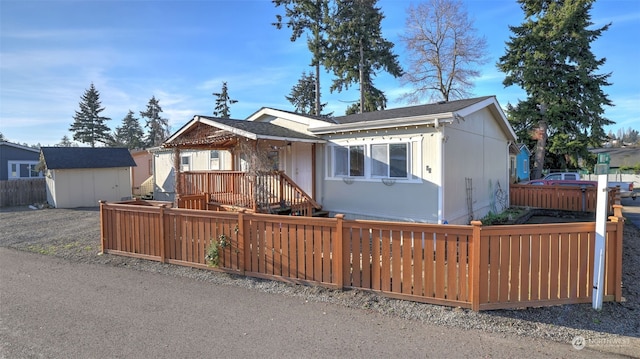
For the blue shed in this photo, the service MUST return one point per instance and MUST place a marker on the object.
(522, 163)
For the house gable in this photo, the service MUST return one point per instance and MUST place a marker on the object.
(292, 120)
(441, 113)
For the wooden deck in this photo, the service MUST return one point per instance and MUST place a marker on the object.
(269, 192)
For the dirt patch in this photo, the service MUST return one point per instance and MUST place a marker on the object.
(539, 216)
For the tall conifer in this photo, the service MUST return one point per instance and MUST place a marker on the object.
(549, 56)
(88, 126)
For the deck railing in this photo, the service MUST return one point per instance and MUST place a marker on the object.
(265, 192)
(474, 266)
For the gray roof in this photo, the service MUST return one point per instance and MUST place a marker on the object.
(19, 146)
(621, 156)
(420, 110)
(262, 128)
(319, 118)
(86, 157)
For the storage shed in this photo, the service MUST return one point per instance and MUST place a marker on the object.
(82, 176)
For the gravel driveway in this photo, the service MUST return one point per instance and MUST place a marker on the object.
(73, 234)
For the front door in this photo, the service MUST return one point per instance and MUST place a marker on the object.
(302, 168)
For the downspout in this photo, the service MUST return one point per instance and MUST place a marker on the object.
(508, 183)
(441, 209)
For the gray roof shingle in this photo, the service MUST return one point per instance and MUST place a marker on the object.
(86, 157)
(262, 128)
(420, 110)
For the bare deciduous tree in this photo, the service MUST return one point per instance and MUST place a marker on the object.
(443, 51)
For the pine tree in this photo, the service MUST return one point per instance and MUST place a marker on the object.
(88, 126)
(357, 51)
(66, 142)
(549, 56)
(158, 127)
(373, 99)
(311, 17)
(303, 95)
(223, 102)
(130, 133)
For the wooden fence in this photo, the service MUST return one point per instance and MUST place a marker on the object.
(474, 266)
(565, 198)
(22, 192)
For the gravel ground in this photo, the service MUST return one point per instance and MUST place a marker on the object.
(74, 234)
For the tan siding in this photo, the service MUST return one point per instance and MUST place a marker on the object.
(476, 148)
(84, 188)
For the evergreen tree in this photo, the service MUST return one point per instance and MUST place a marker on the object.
(303, 95)
(158, 127)
(549, 56)
(130, 133)
(66, 142)
(357, 51)
(223, 102)
(630, 136)
(311, 17)
(373, 99)
(88, 126)
(442, 51)
(2, 138)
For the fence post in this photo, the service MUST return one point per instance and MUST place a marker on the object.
(241, 240)
(619, 220)
(338, 251)
(474, 265)
(617, 209)
(162, 240)
(102, 226)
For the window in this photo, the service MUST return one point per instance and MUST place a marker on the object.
(26, 169)
(341, 166)
(349, 161)
(389, 160)
(512, 167)
(356, 161)
(185, 163)
(214, 160)
(377, 160)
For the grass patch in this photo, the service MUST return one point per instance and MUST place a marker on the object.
(507, 216)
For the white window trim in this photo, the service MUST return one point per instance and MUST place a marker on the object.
(412, 159)
(18, 163)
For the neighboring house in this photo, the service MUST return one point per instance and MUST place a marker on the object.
(522, 158)
(82, 176)
(446, 162)
(18, 162)
(621, 156)
(142, 171)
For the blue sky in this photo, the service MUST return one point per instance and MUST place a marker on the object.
(181, 51)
